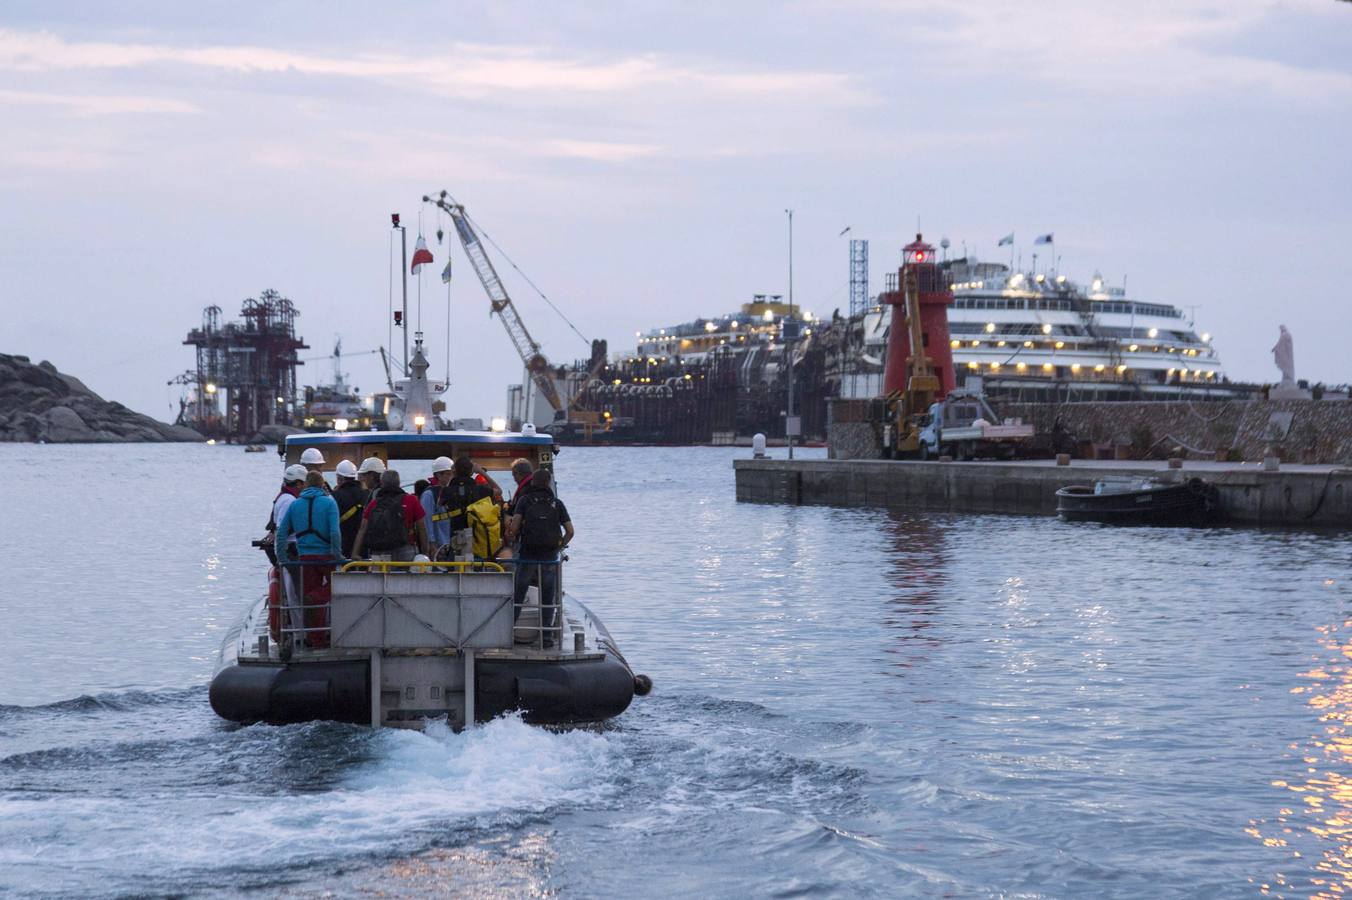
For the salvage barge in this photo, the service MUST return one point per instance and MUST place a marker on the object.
(400, 642)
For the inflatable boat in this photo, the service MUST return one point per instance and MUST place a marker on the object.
(390, 643)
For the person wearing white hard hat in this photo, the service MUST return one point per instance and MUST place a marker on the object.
(369, 473)
(313, 461)
(351, 498)
(438, 517)
(293, 481)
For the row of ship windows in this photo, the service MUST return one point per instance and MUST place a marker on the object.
(1095, 372)
(1032, 328)
(1066, 305)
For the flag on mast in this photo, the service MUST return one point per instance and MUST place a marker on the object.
(1007, 239)
(446, 272)
(1044, 239)
(421, 255)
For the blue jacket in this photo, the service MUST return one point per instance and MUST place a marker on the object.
(327, 539)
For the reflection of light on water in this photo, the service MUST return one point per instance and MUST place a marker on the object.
(499, 868)
(1316, 828)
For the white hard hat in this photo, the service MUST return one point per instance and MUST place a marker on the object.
(346, 469)
(442, 464)
(296, 472)
(312, 456)
(372, 464)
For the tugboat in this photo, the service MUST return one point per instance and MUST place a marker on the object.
(401, 642)
(1139, 502)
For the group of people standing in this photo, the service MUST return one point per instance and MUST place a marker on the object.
(368, 515)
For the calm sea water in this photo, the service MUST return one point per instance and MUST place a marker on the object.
(848, 702)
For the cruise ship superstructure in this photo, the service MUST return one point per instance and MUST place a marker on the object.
(1015, 335)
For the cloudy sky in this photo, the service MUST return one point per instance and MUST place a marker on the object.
(159, 157)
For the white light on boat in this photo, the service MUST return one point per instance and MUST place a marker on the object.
(1060, 279)
(1075, 368)
(1041, 278)
(1060, 345)
(281, 399)
(1047, 328)
(733, 325)
(1121, 369)
(340, 424)
(1028, 344)
(1210, 374)
(1133, 348)
(971, 365)
(976, 343)
(1021, 366)
(1206, 336)
(211, 441)
(995, 367)
(1047, 367)
(211, 388)
(1098, 284)
(419, 422)
(1154, 332)
(990, 327)
(498, 423)
(1099, 367)
(710, 326)
(769, 315)
(955, 344)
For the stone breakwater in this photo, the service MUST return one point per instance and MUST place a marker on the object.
(38, 403)
(1305, 431)
(1298, 495)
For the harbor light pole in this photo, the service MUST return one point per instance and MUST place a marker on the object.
(789, 328)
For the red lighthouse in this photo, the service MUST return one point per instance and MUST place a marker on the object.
(924, 293)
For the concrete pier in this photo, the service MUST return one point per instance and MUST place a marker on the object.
(1295, 495)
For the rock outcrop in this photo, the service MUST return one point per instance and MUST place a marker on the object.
(38, 403)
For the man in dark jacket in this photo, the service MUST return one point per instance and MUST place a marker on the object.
(351, 498)
(541, 528)
(454, 499)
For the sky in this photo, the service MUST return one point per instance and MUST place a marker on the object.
(636, 162)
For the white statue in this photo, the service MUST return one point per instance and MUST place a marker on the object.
(1284, 355)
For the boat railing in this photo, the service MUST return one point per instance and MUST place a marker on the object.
(300, 609)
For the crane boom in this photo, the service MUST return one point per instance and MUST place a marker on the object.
(526, 347)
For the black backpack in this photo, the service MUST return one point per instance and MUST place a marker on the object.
(540, 525)
(385, 530)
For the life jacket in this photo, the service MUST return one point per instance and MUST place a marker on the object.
(385, 530)
(541, 527)
(485, 518)
(454, 500)
(272, 526)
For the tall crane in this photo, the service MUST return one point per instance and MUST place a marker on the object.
(526, 346)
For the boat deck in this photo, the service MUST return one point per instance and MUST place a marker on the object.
(256, 647)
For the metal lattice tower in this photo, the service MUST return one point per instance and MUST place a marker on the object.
(858, 277)
(251, 365)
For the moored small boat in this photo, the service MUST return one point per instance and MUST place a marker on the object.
(1139, 502)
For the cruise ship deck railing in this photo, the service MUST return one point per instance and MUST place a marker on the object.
(313, 630)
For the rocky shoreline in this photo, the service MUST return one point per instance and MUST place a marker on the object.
(38, 404)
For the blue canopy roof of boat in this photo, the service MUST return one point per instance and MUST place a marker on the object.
(427, 437)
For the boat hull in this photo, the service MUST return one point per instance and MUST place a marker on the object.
(546, 690)
(1190, 503)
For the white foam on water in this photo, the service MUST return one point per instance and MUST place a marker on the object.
(419, 785)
